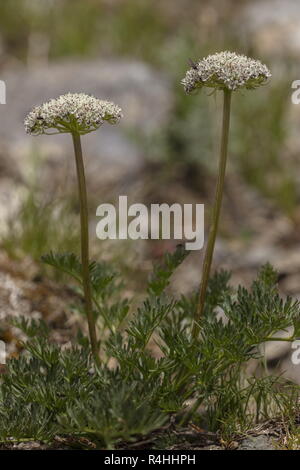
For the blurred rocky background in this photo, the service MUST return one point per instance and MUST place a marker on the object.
(135, 52)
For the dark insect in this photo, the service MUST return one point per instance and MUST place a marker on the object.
(192, 63)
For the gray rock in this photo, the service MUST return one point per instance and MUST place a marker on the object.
(273, 25)
(257, 443)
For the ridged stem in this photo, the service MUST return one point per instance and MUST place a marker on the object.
(216, 213)
(84, 227)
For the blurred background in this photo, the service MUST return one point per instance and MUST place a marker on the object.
(135, 52)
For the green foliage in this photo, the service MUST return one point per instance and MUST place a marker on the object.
(68, 263)
(31, 327)
(77, 28)
(251, 310)
(34, 226)
(119, 411)
(105, 286)
(51, 391)
(162, 272)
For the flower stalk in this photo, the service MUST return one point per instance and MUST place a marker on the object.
(216, 211)
(228, 72)
(84, 227)
(76, 114)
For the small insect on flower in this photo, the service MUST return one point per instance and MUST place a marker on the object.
(193, 64)
(226, 71)
(71, 113)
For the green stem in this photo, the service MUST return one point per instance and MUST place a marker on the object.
(216, 213)
(85, 246)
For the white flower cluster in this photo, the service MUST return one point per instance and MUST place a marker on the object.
(226, 70)
(73, 112)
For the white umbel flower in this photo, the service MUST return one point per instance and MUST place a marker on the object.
(226, 70)
(71, 113)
